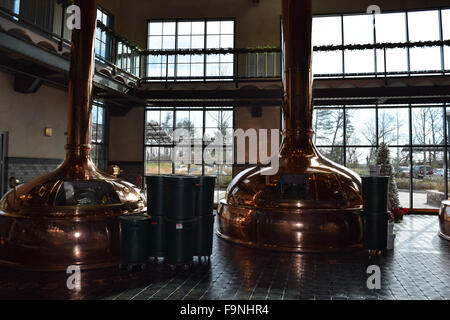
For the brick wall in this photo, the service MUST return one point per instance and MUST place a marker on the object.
(26, 169)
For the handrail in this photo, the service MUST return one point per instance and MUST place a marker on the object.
(396, 45)
(17, 18)
(5, 13)
(380, 74)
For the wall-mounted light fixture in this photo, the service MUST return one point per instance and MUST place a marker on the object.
(48, 132)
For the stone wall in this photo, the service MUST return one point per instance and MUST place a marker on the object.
(434, 198)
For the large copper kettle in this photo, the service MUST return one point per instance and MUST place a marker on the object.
(70, 216)
(311, 204)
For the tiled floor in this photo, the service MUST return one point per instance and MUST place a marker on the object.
(418, 268)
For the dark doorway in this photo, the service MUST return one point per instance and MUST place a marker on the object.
(2, 163)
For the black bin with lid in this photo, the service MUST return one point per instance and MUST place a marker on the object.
(375, 194)
(375, 213)
(204, 236)
(205, 217)
(156, 185)
(205, 195)
(180, 235)
(134, 240)
(157, 244)
(180, 197)
(180, 220)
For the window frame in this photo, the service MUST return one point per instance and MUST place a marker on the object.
(410, 147)
(379, 55)
(108, 47)
(175, 109)
(105, 141)
(176, 78)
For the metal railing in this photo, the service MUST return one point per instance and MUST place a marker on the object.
(266, 64)
(245, 65)
(116, 64)
(381, 59)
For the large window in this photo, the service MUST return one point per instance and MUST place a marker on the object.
(350, 135)
(190, 34)
(11, 5)
(39, 13)
(446, 36)
(358, 29)
(127, 59)
(424, 26)
(102, 38)
(327, 31)
(99, 136)
(391, 28)
(397, 27)
(205, 126)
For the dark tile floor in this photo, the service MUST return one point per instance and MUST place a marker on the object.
(418, 268)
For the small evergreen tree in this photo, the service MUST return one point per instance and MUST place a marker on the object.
(387, 170)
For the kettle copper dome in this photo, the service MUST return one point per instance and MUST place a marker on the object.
(311, 204)
(70, 216)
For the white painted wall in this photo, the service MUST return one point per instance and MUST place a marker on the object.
(24, 117)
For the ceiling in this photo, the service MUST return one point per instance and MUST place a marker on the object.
(320, 6)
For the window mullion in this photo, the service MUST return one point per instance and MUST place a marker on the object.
(407, 41)
(441, 38)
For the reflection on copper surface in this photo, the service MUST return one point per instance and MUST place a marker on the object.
(311, 204)
(69, 216)
(444, 220)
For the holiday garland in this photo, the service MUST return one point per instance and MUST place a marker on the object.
(272, 49)
(382, 46)
(118, 37)
(211, 51)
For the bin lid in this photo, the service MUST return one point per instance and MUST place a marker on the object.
(134, 217)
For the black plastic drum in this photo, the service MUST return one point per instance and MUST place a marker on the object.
(180, 197)
(375, 192)
(157, 244)
(205, 196)
(134, 239)
(204, 236)
(180, 237)
(376, 230)
(155, 195)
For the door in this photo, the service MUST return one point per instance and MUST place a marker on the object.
(2, 163)
(38, 12)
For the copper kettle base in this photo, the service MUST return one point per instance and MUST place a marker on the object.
(40, 230)
(310, 205)
(69, 217)
(444, 220)
(52, 244)
(291, 231)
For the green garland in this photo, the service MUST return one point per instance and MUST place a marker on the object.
(211, 51)
(382, 46)
(118, 37)
(271, 49)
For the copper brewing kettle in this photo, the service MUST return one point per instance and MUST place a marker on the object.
(69, 216)
(311, 204)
